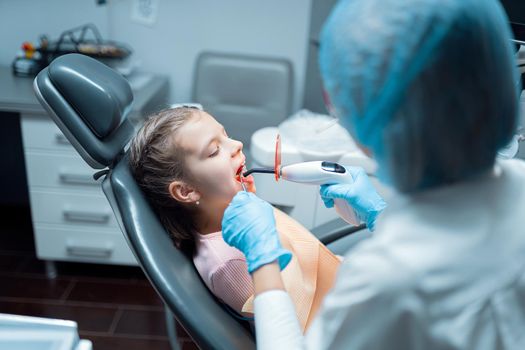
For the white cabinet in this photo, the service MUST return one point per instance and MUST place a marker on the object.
(72, 219)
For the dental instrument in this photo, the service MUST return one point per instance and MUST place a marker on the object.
(312, 173)
(241, 179)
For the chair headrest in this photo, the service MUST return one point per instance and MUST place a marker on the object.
(92, 89)
(89, 102)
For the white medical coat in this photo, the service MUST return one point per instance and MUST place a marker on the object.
(445, 269)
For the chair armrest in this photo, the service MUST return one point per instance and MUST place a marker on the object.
(334, 230)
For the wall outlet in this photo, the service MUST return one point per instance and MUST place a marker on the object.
(144, 11)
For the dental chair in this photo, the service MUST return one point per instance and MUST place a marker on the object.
(89, 102)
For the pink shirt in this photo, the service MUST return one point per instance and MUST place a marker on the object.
(307, 278)
(223, 269)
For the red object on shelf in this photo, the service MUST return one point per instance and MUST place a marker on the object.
(27, 46)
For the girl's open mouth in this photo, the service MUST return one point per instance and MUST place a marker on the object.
(239, 173)
(249, 181)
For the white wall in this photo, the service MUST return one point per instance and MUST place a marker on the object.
(26, 20)
(184, 28)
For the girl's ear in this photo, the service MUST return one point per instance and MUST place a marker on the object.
(183, 192)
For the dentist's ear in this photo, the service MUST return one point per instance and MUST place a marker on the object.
(183, 192)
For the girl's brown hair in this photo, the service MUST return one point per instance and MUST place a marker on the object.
(155, 162)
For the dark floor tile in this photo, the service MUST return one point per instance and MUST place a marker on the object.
(147, 323)
(188, 345)
(88, 271)
(140, 322)
(122, 343)
(118, 293)
(32, 287)
(94, 319)
(82, 270)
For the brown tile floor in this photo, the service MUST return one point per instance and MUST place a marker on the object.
(114, 306)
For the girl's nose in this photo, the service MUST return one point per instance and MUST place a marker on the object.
(237, 147)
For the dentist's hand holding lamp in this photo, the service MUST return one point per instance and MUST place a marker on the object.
(429, 89)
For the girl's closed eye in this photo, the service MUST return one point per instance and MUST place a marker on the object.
(215, 152)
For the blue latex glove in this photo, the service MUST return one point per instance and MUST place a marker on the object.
(248, 224)
(360, 194)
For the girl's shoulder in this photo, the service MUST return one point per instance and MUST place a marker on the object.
(211, 250)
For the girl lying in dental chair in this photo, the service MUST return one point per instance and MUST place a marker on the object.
(189, 169)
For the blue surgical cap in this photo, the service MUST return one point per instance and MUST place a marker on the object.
(429, 86)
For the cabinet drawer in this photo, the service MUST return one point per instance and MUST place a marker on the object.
(77, 209)
(60, 171)
(56, 242)
(42, 133)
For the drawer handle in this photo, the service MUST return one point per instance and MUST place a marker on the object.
(88, 252)
(77, 179)
(62, 140)
(79, 216)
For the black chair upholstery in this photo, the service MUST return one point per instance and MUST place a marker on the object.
(89, 102)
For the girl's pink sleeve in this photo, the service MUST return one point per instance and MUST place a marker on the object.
(232, 283)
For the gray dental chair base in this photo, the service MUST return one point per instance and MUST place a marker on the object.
(90, 102)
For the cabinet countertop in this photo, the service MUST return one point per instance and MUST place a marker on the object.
(17, 95)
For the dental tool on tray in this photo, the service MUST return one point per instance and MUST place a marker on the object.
(313, 173)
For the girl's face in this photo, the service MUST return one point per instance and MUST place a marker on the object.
(212, 158)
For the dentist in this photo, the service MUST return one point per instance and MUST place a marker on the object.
(429, 88)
